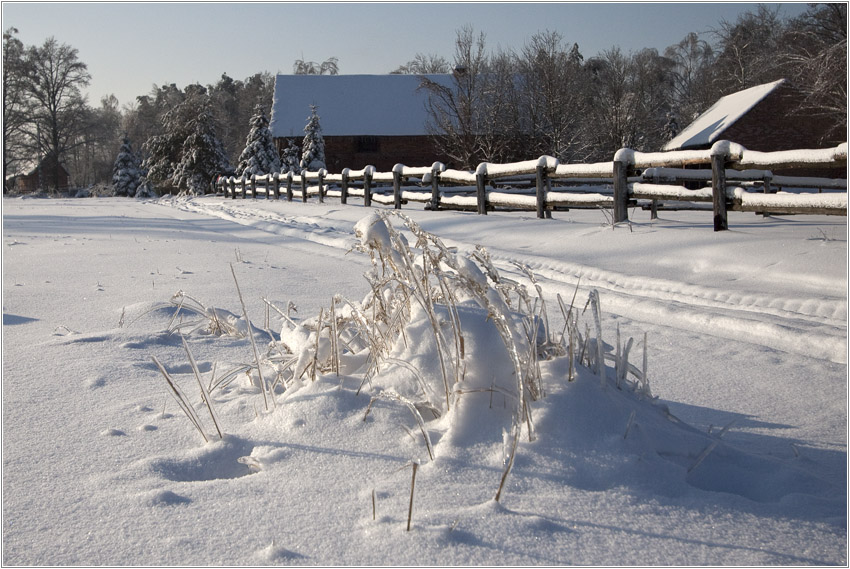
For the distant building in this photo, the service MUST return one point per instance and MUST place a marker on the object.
(760, 118)
(35, 176)
(377, 120)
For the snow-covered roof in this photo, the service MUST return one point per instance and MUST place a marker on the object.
(351, 105)
(709, 126)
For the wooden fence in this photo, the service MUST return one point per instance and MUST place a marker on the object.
(738, 180)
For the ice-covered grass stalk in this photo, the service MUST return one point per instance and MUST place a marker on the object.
(423, 337)
(182, 400)
(412, 487)
(204, 393)
(263, 386)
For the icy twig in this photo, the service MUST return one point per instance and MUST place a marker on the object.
(181, 399)
(204, 393)
(253, 342)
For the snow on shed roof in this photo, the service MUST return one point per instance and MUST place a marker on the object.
(351, 105)
(709, 126)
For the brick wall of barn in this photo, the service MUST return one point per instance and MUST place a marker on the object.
(774, 125)
(382, 152)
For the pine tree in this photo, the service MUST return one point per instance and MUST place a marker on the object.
(163, 151)
(313, 153)
(188, 154)
(291, 161)
(260, 155)
(202, 157)
(126, 172)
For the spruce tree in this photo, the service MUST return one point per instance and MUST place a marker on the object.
(188, 154)
(202, 157)
(126, 173)
(291, 160)
(260, 155)
(313, 148)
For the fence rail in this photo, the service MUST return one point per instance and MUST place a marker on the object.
(738, 180)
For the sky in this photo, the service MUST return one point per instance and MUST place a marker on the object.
(129, 47)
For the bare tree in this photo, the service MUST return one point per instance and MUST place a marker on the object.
(692, 60)
(749, 50)
(422, 64)
(454, 111)
(92, 157)
(59, 108)
(629, 100)
(611, 102)
(817, 54)
(652, 85)
(554, 97)
(501, 130)
(15, 103)
(328, 67)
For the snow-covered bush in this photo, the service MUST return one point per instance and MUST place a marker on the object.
(313, 147)
(260, 155)
(127, 172)
(145, 190)
(95, 191)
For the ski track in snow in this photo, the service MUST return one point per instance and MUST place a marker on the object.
(815, 327)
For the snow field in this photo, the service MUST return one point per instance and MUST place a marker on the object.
(95, 472)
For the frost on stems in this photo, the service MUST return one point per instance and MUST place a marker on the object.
(593, 300)
(417, 286)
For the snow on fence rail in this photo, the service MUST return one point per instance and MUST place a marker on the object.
(739, 180)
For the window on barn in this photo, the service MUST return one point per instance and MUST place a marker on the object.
(367, 144)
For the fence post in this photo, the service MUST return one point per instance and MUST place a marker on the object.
(276, 186)
(719, 156)
(289, 186)
(480, 189)
(622, 162)
(436, 168)
(397, 171)
(766, 180)
(542, 183)
(321, 189)
(244, 186)
(231, 181)
(304, 185)
(367, 186)
(253, 186)
(343, 198)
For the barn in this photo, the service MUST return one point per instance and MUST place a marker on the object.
(760, 118)
(377, 120)
(46, 175)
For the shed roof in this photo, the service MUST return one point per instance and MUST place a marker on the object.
(709, 126)
(351, 105)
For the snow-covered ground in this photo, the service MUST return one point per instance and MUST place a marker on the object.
(740, 460)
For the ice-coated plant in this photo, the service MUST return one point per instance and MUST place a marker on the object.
(441, 333)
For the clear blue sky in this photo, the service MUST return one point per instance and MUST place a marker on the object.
(129, 47)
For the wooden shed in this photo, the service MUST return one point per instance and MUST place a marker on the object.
(43, 175)
(762, 118)
(377, 120)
